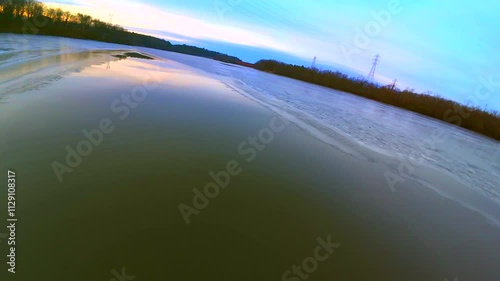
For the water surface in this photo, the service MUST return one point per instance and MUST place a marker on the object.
(120, 206)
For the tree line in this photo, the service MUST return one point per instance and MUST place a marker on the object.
(469, 117)
(15, 14)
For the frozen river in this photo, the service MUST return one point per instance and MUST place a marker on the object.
(347, 122)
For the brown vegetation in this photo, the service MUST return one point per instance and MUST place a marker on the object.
(472, 118)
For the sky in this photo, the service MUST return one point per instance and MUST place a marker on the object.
(448, 48)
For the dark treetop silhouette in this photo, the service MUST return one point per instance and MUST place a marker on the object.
(32, 17)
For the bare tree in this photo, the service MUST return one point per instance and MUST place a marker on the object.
(38, 9)
(73, 18)
(19, 6)
(59, 14)
(7, 8)
(84, 19)
(32, 7)
(51, 13)
(67, 16)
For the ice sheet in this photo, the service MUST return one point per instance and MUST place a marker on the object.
(332, 116)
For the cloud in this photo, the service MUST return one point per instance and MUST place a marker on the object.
(144, 16)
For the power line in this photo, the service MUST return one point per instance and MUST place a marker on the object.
(313, 65)
(371, 75)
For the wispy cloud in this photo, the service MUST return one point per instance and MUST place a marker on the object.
(140, 15)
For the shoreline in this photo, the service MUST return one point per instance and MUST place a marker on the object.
(268, 217)
(448, 120)
(435, 107)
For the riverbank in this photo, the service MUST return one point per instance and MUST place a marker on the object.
(472, 118)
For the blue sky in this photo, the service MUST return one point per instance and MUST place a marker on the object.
(451, 48)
